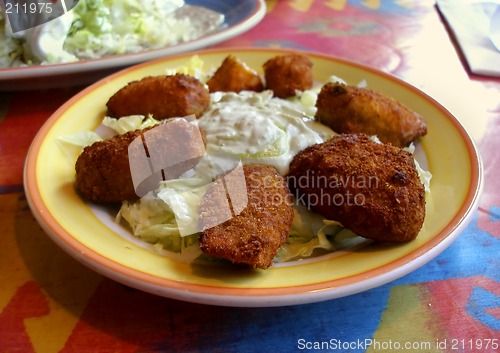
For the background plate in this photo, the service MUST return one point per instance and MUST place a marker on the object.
(447, 150)
(240, 16)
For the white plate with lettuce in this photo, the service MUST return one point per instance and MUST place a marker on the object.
(145, 248)
(97, 37)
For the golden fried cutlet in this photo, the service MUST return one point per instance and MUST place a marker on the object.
(373, 189)
(105, 170)
(348, 109)
(162, 96)
(253, 236)
(234, 76)
(284, 74)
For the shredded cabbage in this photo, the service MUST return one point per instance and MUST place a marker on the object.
(153, 220)
(194, 67)
(129, 123)
(10, 48)
(97, 28)
(110, 27)
(73, 145)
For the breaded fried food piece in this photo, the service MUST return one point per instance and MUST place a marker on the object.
(348, 109)
(103, 169)
(162, 96)
(253, 236)
(372, 189)
(234, 76)
(284, 74)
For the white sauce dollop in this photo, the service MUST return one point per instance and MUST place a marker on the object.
(256, 128)
(45, 42)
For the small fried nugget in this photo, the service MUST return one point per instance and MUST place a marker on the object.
(285, 74)
(103, 170)
(234, 76)
(164, 97)
(120, 168)
(252, 234)
(350, 110)
(371, 188)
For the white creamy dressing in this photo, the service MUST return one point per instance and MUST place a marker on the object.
(45, 42)
(258, 129)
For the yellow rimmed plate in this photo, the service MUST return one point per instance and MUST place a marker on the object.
(89, 234)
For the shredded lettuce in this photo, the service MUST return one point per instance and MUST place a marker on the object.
(73, 145)
(97, 28)
(153, 220)
(194, 67)
(11, 49)
(184, 197)
(129, 123)
(310, 232)
(110, 27)
(169, 214)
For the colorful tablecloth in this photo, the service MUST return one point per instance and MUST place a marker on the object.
(51, 303)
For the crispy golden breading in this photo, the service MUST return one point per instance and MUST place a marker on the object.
(285, 74)
(347, 109)
(234, 76)
(162, 96)
(103, 169)
(372, 189)
(253, 236)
